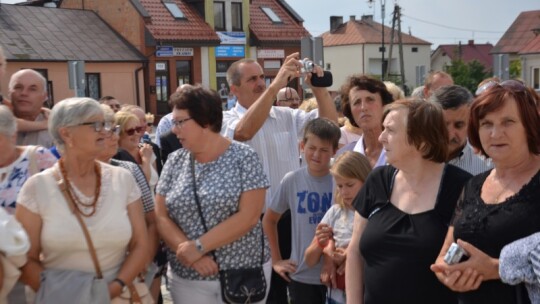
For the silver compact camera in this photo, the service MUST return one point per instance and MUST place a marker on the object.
(307, 66)
(455, 254)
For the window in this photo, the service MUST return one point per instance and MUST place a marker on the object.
(162, 87)
(236, 18)
(219, 16)
(414, 50)
(174, 10)
(270, 13)
(535, 78)
(93, 85)
(183, 72)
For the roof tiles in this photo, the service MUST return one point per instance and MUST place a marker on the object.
(519, 34)
(364, 31)
(164, 27)
(469, 52)
(265, 31)
(52, 34)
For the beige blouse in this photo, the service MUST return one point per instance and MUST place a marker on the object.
(62, 240)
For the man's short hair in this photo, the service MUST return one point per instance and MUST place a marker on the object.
(431, 76)
(325, 129)
(452, 97)
(105, 98)
(36, 73)
(233, 72)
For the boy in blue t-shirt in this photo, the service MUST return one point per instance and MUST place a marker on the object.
(307, 192)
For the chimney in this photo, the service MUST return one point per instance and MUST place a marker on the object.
(367, 18)
(471, 42)
(335, 22)
(352, 17)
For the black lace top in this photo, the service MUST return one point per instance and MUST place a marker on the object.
(490, 227)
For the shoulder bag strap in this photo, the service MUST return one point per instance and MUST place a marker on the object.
(199, 209)
(62, 185)
(32, 161)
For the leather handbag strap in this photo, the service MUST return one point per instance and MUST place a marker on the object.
(71, 204)
(199, 209)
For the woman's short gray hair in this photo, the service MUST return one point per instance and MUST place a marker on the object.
(8, 124)
(71, 112)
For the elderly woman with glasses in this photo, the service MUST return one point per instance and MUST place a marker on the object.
(106, 197)
(131, 148)
(147, 196)
(223, 177)
(499, 206)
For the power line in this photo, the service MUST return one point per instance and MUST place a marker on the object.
(451, 27)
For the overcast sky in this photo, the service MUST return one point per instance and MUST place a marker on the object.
(437, 21)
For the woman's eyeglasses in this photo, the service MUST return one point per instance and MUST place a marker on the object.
(98, 125)
(514, 85)
(179, 123)
(115, 130)
(132, 131)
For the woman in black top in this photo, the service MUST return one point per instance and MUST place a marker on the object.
(501, 205)
(404, 210)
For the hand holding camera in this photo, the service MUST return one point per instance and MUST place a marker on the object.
(322, 81)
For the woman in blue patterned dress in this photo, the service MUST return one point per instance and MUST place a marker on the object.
(228, 179)
(17, 163)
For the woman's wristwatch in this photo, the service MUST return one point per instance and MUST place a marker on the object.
(121, 283)
(199, 246)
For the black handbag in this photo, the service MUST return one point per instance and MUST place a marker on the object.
(245, 285)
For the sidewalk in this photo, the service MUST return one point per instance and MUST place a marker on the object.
(165, 293)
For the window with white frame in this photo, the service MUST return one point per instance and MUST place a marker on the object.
(535, 77)
(175, 11)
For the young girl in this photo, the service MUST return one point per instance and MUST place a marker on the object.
(334, 232)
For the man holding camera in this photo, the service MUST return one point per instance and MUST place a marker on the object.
(273, 132)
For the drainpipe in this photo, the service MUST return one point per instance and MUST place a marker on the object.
(137, 95)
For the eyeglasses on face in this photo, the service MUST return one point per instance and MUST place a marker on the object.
(514, 85)
(115, 106)
(132, 131)
(115, 130)
(98, 125)
(179, 123)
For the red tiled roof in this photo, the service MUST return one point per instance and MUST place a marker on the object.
(519, 34)
(265, 31)
(469, 52)
(164, 27)
(364, 31)
(532, 48)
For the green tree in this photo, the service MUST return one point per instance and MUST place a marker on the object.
(515, 69)
(467, 75)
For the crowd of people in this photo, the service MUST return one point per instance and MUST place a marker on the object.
(365, 196)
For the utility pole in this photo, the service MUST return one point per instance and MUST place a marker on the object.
(383, 4)
(396, 19)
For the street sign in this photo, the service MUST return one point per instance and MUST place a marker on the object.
(230, 51)
(164, 51)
